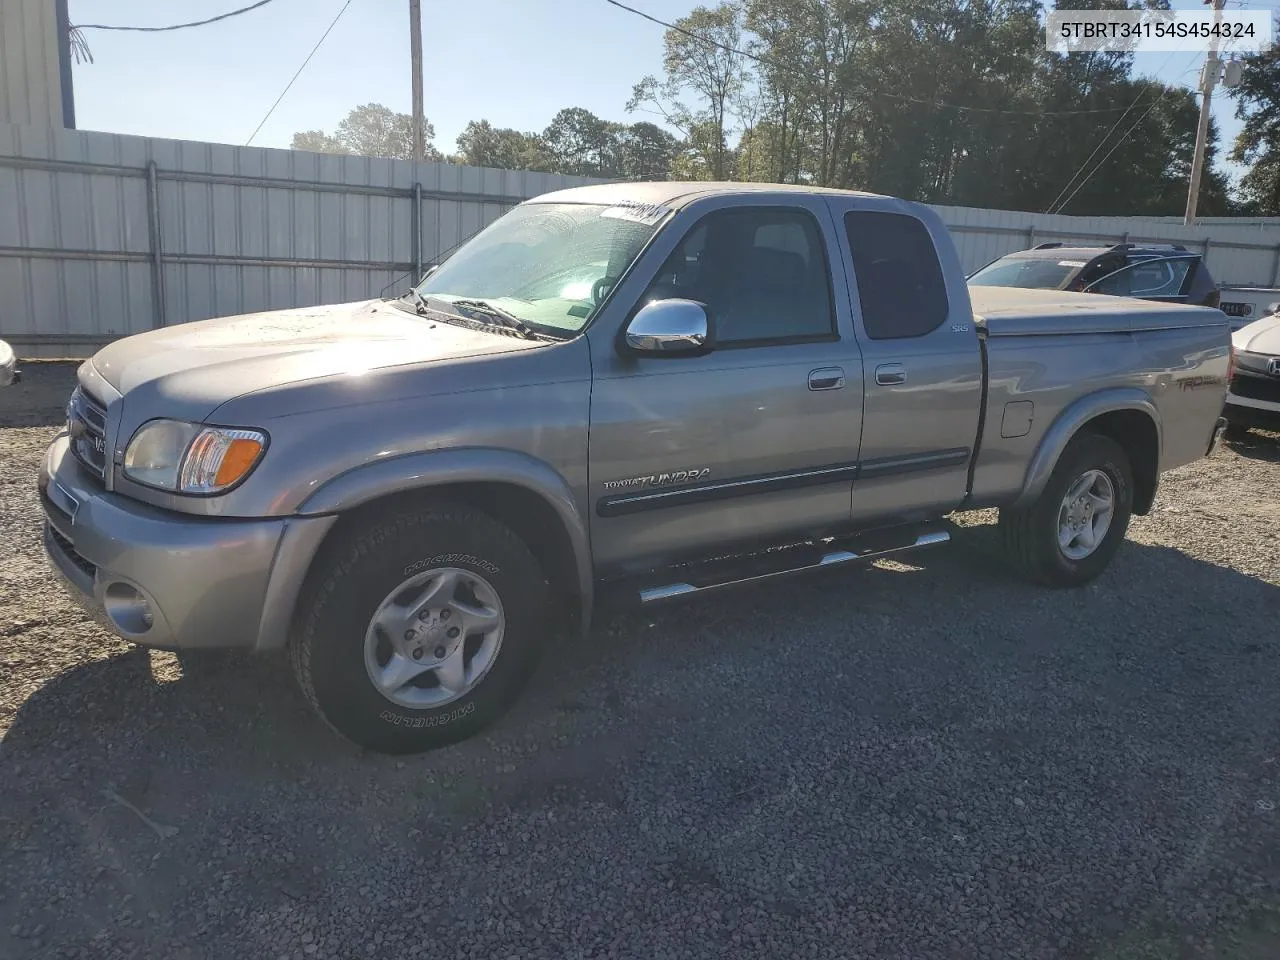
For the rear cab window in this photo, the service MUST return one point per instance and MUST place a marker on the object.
(901, 287)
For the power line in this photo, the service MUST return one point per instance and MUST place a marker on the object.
(1116, 147)
(1119, 120)
(332, 24)
(875, 93)
(1106, 156)
(176, 26)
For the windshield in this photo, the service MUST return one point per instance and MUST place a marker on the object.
(547, 264)
(1026, 272)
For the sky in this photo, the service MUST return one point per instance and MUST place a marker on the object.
(512, 62)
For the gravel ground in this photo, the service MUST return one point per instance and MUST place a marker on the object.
(916, 760)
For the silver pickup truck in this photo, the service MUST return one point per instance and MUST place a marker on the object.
(617, 393)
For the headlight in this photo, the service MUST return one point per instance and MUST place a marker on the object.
(189, 458)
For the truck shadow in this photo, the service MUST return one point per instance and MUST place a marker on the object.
(1258, 445)
(945, 653)
(228, 710)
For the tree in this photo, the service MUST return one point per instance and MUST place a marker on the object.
(646, 152)
(943, 101)
(814, 50)
(370, 130)
(1258, 104)
(582, 144)
(483, 145)
(317, 141)
(701, 56)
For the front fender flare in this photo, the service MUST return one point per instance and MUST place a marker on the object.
(422, 471)
(1068, 424)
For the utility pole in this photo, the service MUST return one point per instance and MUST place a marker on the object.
(415, 53)
(1208, 80)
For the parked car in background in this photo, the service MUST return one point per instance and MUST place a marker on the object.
(8, 365)
(1244, 305)
(1171, 274)
(1253, 395)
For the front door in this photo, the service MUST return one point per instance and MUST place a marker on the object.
(756, 440)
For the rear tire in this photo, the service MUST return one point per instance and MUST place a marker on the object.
(1060, 540)
(419, 629)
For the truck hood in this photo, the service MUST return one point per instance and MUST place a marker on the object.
(195, 367)
(1261, 336)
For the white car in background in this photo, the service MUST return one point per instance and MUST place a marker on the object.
(8, 365)
(1253, 397)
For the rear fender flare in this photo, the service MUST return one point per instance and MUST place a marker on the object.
(1070, 422)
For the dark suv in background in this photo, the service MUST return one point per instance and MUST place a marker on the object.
(1149, 272)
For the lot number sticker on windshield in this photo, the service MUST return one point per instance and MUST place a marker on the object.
(646, 213)
(1071, 263)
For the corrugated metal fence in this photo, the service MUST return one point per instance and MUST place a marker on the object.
(103, 235)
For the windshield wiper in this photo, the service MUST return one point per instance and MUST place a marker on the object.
(500, 317)
(419, 301)
(479, 315)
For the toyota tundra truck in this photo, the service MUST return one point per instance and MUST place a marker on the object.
(621, 393)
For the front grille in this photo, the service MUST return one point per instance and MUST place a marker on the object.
(1256, 388)
(87, 422)
(67, 547)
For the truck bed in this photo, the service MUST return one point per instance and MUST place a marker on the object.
(1045, 350)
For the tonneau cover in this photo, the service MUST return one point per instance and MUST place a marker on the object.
(1017, 311)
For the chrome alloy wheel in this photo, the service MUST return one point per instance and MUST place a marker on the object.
(434, 637)
(1085, 515)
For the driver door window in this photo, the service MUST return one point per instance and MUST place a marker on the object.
(760, 271)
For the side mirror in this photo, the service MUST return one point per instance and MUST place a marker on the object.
(670, 328)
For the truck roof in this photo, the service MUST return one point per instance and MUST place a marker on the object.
(676, 193)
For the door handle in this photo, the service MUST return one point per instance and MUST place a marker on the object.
(888, 374)
(826, 378)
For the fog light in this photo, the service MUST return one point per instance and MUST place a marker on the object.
(128, 608)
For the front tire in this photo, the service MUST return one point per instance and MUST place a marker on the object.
(1069, 534)
(419, 629)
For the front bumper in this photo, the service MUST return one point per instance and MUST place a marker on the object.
(171, 580)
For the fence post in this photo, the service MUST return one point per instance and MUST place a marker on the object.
(158, 318)
(1031, 236)
(1275, 270)
(416, 220)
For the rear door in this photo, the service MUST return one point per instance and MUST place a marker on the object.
(920, 359)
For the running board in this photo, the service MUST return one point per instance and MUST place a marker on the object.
(714, 575)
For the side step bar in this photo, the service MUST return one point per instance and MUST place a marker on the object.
(787, 561)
